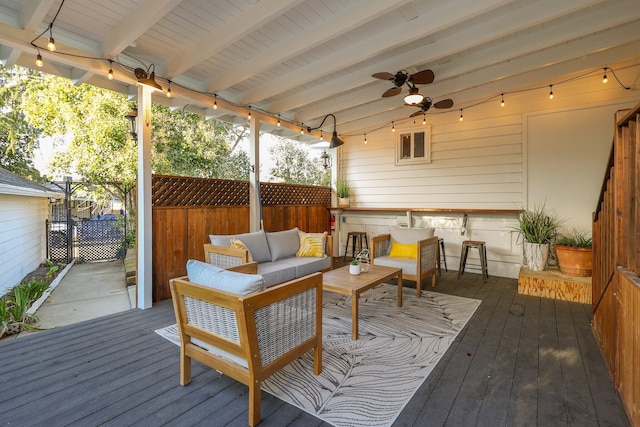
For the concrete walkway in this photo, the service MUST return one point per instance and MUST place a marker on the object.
(87, 291)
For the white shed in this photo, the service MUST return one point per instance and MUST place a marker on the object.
(23, 212)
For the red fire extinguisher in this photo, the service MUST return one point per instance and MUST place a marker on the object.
(332, 221)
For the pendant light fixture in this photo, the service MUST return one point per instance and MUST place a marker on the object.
(148, 78)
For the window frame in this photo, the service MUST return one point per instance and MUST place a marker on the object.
(411, 132)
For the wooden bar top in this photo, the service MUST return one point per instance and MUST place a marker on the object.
(433, 210)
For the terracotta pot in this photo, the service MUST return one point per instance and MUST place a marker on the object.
(574, 261)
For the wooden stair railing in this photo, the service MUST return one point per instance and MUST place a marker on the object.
(616, 263)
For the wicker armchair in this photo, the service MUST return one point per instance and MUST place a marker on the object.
(417, 269)
(248, 337)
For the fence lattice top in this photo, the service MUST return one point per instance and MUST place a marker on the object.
(189, 191)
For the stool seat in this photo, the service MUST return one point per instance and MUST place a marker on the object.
(356, 238)
(482, 252)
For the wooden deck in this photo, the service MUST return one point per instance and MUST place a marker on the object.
(521, 360)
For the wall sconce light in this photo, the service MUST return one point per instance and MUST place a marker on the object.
(335, 141)
(148, 78)
(326, 159)
(132, 116)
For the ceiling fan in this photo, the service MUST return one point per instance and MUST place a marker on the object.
(401, 78)
(428, 103)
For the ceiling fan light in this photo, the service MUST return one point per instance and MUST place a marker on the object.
(414, 97)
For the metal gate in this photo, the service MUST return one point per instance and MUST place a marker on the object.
(98, 239)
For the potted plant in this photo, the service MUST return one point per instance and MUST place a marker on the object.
(354, 267)
(574, 252)
(538, 228)
(342, 190)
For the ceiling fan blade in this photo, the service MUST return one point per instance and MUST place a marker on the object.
(392, 92)
(417, 113)
(445, 103)
(423, 77)
(383, 76)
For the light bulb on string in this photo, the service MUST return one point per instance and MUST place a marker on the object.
(550, 91)
(278, 121)
(302, 129)
(461, 115)
(169, 94)
(604, 77)
(365, 138)
(249, 115)
(215, 102)
(424, 119)
(110, 73)
(39, 61)
(321, 137)
(502, 102)
(393, 127)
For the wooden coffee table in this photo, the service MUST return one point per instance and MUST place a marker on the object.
(341, 282)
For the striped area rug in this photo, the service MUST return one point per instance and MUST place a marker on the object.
(369, 381)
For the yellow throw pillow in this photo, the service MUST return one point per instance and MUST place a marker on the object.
(403, 250)
(237, 244)
(312, 244)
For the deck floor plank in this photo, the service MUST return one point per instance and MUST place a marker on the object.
(521, 360)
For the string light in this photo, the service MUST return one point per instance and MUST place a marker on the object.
(169, 90)
(461, 115)
(502, 102)
(321, 137)
(550, 91)
(39, 61)
(393, 127)
(604, 77)
(110, 73)
(249, 115)
(51, 45)
(278, 120)
(424, 119)
(301, 128)
(215, 101)
(365, 138)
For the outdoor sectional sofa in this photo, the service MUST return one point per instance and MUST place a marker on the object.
(278, 254)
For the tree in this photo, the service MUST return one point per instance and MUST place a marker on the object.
(18, 138)
(294, 165)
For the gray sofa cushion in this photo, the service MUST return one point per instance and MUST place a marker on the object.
(410, 235)
(276, 272)
(283, 244)
(214, 277)
(256, 242)
(307, 265)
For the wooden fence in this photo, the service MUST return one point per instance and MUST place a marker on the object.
(616, 263)
(187, 210)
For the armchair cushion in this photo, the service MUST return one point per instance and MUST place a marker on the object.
(410, 235)
(403, 250)
(283, 244)
(214, 277)
(256, 242)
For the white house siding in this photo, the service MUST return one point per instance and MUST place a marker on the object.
(22, 239)
(532, 151)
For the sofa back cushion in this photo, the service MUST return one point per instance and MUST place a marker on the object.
(214, 277)
(256, 242)
(283, 244)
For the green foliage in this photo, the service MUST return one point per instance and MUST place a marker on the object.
(54, 267)
(343, 188)
(538, 225)
(355, 261)
(293, 165)
(575, 239)
(15, 305)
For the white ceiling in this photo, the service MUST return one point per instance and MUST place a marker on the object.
(303, 59)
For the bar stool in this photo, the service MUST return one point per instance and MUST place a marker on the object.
(441, 256)
(355, 237)
(482, 251)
